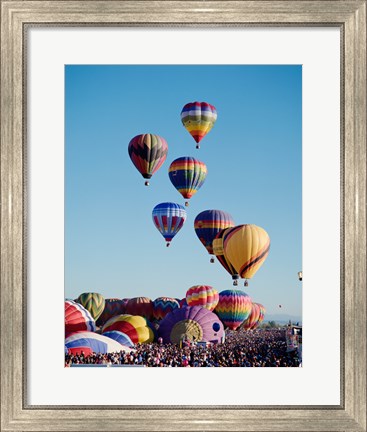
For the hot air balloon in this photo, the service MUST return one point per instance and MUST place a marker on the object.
(187, 175)
(93, 302)
(90, 342)
(191, 324)
(198, 119)
(246, 247)
(112, 307)
(262, 311)
(148, 152)
(183, 303)
(208, 224)
(139, 329)
(119, 337)
(219, 253)
(252, 319)
(169, 218)
(234, 306)
(164, 305)
(202, 295)
(77, 318)
(142, 306)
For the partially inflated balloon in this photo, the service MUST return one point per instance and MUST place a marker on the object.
(148, 152)
(142, 306)
(209, 223)
(77, 318)
(198, 119)
(93, 302)
(164, 305)
(202, 295)
(138, 329)
(234, 306)
(262, 315)
(112, 307)
(187, 175)
(246, 247)
(219, 253)
(191, 324)
(253, 318)
(89, 342)
(119, 337)
(169, 218)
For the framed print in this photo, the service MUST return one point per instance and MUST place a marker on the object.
(50, 50)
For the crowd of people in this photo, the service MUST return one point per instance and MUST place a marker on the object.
(255, 348)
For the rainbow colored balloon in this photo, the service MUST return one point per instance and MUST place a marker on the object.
(252, 319)
(191, 324)
(93, 302)
(148, 153)
(246, 247)
(198, 119)
(164, 305)
(261, 316)
(77, 318)
(187, 175)
(209, 223)
(169, 218)
(138, 329)
(234, 306)
(142, 306)
(202, 295)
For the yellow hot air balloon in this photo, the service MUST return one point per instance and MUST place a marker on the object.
(246, 247)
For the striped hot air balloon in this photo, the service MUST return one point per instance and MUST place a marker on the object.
(252, 319)
(234, 306)
(208, 224)
(139, 329)
(187, 175)
(246, 247)
(93, 302)
(261, 316)
(77, 318)
(168, 218)
(219, 253)
(142, 306)
(164, 305)
(198, 119)
(148, 152)
(202, 295)
(89, 342)
(112, 307)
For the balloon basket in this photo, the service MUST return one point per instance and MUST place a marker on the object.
(167, 244)
(235, 283)
(245, 284)
(146, 183)
(212, 260)
(197, 146)
(186, 203)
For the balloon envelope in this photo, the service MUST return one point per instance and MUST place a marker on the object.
(138, 329)
(234, 306)
(119, 337)
(93, 302)
(164, 305)
(246, 247)
(77, 318)
(112, 308)
(218, 251)
(169, 218)
(253, 318)
(198, 119)
(84, 341)
(187, 175)
(148, 152)
(209, 223)
(142, 306)
(191, 324)
(202, 295)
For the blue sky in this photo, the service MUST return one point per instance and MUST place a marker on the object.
(254, 160)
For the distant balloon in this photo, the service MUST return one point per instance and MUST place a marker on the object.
(187, 175)
(164, 305)
(138, 329)
(198, 119)
(246, 247)
(112, 307)
(148, 152)
(191, 324)
(233, 308)
(77, 318)
(169, 218)
(142, 306)
(208, 224)
(222, 258)
(90, 342)
(93, 302)
(202, 295)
